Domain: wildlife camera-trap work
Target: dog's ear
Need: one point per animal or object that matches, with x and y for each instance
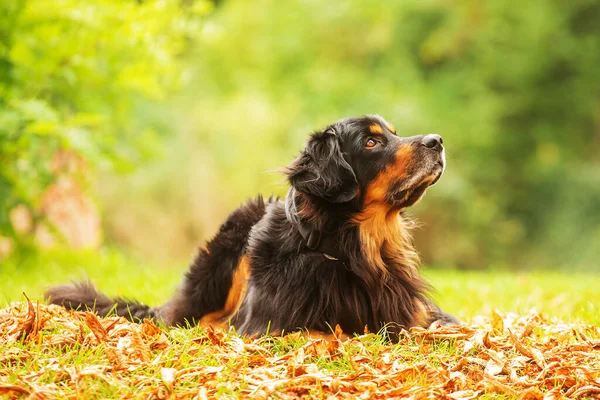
(322, 171)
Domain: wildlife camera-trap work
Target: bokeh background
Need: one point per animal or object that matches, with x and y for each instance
(129, 129)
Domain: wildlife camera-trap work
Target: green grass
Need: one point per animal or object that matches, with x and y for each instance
(569, 296)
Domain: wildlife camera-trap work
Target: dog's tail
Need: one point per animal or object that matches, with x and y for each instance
(83, 296)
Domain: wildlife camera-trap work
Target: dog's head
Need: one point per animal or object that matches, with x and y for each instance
(362, 161)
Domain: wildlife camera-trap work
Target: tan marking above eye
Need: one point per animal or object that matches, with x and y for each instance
(376, 128)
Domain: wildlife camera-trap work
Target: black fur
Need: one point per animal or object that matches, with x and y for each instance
(322, 171)
(353, 194)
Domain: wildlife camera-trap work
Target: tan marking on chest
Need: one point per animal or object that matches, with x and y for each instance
(383, 231)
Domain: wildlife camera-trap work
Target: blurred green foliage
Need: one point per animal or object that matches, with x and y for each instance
(73, 75)
(513, 89)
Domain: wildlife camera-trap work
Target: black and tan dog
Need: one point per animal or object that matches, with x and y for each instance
(336, 251)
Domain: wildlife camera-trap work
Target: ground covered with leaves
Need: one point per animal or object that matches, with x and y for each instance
(49, 352)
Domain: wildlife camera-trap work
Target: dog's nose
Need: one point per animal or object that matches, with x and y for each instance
(433, 141)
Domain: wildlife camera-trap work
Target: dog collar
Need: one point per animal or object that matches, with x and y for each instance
(315, 240)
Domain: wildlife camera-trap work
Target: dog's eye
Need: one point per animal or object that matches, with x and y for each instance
(370, 143)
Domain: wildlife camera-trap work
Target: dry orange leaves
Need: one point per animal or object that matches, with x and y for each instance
(526, 357)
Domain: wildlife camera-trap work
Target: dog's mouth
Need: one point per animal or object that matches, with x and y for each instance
(409, 196)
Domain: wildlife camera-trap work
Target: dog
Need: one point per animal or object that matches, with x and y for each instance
(336, 251)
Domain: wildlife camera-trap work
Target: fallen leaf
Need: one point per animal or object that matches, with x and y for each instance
(464, 394)
(91, 320)
(6, 389)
